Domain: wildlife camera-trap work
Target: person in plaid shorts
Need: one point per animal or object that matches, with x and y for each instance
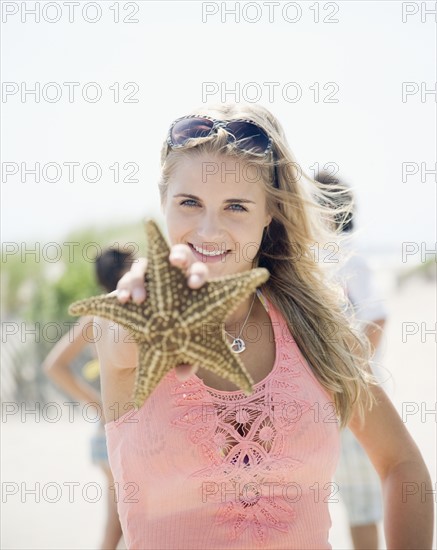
(358, 482)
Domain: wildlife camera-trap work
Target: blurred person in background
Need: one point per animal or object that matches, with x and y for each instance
(357, 479)
(109, 267)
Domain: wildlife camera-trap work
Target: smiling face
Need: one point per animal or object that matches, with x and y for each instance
(217, 205)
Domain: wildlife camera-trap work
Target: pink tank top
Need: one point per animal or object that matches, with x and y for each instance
(197, 468)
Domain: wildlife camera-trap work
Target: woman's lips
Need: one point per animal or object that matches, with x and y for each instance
(208, 259)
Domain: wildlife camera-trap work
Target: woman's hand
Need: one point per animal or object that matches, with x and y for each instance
(131, 285)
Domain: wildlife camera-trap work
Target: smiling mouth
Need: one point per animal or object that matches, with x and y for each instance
(208, 253)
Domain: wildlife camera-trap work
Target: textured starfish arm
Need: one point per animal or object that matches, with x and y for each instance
(164, 281)
(224, 295)
(132, 318)
(150, 370)
(221, 361)
(167, 287)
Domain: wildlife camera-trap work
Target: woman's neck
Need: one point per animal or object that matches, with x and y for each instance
(235, 321)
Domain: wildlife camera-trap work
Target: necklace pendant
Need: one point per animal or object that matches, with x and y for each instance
(238, 345)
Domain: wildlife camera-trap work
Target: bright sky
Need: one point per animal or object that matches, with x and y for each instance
(169, 55)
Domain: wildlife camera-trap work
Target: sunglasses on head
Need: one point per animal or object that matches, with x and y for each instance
(246, 134)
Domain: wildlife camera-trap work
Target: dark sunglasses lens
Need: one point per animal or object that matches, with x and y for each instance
(250, 137)
(188, 128)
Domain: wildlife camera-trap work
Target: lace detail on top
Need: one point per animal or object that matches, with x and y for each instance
(241, 440)
(224, 470)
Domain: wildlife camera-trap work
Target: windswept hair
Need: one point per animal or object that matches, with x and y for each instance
(294, 248)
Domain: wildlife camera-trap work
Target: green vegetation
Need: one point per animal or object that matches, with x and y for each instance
(39, 288)
(36, 292)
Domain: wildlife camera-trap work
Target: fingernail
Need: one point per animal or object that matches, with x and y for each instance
(137, 295)
(194, 279)
(176, 256)
(122, 294)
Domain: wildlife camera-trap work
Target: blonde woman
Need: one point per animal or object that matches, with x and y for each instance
(201, 465)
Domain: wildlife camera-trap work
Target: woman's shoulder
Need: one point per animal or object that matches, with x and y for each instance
(115, 345)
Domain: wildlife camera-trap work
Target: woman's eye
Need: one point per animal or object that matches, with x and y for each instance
(185, 202)
(239, 208)
(192, 203)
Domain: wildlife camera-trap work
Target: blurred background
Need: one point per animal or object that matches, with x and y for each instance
(353, 84)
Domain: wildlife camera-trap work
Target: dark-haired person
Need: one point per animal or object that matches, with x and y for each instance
(110, 265)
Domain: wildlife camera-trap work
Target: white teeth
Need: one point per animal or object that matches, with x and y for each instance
(208, 253)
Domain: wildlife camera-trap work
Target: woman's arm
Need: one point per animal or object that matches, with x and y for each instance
(115, 347)
(58, 361)
(408, 509)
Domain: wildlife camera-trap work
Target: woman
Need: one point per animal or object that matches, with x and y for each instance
(201, 465)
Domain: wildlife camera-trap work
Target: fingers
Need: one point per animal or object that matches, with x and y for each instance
(132, 283)
(197, 272)
(181, 256)
(197, 275)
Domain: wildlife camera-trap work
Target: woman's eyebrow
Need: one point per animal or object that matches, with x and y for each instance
(226, 201)
(239, 200)
(186, 195)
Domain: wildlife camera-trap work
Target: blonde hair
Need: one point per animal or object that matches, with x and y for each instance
(300, 286)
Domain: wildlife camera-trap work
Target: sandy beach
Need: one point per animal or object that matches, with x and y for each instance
(53, 496)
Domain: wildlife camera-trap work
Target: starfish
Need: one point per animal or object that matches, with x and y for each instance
(176, 324)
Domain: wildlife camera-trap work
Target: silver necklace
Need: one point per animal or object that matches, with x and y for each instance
(238, 345)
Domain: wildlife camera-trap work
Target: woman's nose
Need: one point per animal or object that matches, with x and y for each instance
(210, 229)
